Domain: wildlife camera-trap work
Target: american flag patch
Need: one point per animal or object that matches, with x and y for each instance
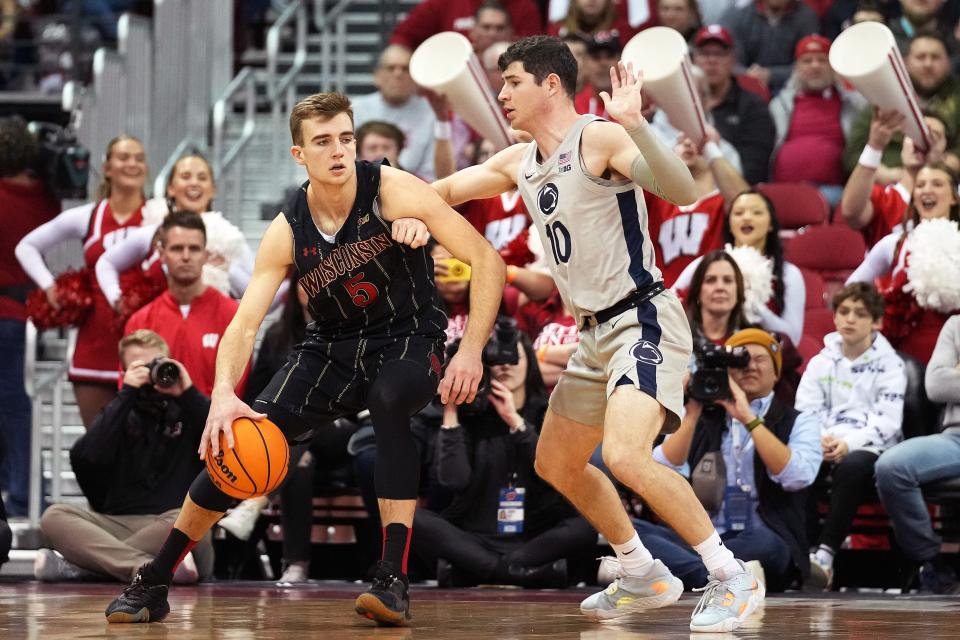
(565, 157)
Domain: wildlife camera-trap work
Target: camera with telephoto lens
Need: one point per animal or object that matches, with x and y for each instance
(710, 382)
(164, 372)
(63, 165)
(501, 348)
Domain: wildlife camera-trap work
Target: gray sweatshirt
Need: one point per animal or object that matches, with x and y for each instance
(943, 376)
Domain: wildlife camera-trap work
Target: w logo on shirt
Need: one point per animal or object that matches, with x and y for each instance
(210, 340)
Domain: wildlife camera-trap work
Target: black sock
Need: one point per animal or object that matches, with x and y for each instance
(396, 545)
(174, 550)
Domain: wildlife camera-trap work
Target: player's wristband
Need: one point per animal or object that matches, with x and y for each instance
(753, 424)
(512, 271)
(542, 353)
(442, 130)
(870, 158)
(711, 152)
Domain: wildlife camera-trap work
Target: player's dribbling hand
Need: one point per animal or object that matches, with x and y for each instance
(224, 409)
(626, 104)
(460, 382)
(410, 231)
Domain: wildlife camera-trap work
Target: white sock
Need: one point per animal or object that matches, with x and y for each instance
(718, 558)
(634, 558)
(825, 555)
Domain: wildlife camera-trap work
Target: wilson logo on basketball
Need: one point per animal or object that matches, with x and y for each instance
(224, 469)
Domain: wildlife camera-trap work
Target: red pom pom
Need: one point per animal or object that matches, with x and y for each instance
(138, 289)
(74, 295)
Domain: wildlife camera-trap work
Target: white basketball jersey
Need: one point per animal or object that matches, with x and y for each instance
(594, 231)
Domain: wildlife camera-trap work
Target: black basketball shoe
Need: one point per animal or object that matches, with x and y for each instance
(387, 602)
(140, 602)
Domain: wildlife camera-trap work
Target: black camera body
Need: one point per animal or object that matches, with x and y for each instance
(63, 165)
(710, 381)
(164, 372)
(501, 348)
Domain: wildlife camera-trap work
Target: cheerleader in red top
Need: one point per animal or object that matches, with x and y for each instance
(190, 187)
(99, 225)
(774, 290)
(918, 270)
(683, 233)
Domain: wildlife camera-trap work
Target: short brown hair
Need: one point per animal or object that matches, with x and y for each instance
(319, 105)
(380, 128)
(865, 293)
(185, 219)
(143, 338)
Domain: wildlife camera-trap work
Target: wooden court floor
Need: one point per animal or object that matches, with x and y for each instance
(251, 611)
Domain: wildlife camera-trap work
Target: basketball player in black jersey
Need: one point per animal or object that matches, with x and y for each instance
(377, 341)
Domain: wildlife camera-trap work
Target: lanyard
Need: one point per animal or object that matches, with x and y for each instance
(738, 453)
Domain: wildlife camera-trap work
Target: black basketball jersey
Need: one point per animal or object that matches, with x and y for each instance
(363, 283)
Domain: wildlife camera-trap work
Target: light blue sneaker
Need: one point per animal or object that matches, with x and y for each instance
(629, 594)
(727, 603)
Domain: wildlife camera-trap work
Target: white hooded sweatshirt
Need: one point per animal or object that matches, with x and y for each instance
(859, 401)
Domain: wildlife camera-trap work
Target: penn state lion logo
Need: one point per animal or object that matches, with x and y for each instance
(646, 351)
(547, 198)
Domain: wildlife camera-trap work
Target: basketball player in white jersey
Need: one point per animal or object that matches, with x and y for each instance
(581, 179)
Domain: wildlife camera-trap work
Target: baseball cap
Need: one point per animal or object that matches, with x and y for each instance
(713, 33)
(762, 338)
(604, 41)
(812, 44)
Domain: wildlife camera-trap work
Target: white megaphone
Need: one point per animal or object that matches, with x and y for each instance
(662, 54)
(446, 64)
(866, 56)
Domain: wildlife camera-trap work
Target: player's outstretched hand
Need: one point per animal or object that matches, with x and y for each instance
(460, 382)
(224, 409)
(626, 104)
(410, 231)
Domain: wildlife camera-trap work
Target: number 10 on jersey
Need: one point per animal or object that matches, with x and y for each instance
(560, 242)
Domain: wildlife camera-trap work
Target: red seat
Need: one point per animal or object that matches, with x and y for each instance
(807, 348)
(832, 251)
(815, 290)
(798, 204)
(818, 323)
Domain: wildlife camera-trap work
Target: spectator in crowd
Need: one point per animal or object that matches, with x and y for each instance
(938, 92)
(684, 233)
(903, 469)
(500, 219)
(24, 205)
(855, 387)
(396, 101)
(846, 13)
(603, 52)
(912, 323)
(923, 16)
(592, 17)
(134, 465)
(491, 24)
(752, 222)
(378, 140)
(715, 300)
(813, 115)
(765, 454)
(115, 214)
(765, 34)
(190, 187)
(189, 315)
(739, 115)
(485, 457)
(682, 16)
(578, 47)
(433, 16)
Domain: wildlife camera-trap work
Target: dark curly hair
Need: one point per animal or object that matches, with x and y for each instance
(18, 147)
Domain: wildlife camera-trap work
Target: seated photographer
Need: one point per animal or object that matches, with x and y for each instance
(903, 468)
(504, 525)
(752, 456)
(855, 386)
(134, 464)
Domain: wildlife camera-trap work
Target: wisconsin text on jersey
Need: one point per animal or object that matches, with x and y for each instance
(341, 260)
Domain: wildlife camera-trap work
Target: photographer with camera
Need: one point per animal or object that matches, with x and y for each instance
(504, 525)
(135, 465)
(190, 315)
(24, 205)
(752, 457)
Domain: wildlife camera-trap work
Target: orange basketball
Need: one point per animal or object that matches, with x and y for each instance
(256, 465)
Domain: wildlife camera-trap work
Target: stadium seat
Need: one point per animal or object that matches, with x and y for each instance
(832, 251)
(815, 289)
(798, 204)
(818, 323)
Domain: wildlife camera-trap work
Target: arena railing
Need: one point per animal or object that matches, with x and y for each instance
(281, 89)
(223, 159)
